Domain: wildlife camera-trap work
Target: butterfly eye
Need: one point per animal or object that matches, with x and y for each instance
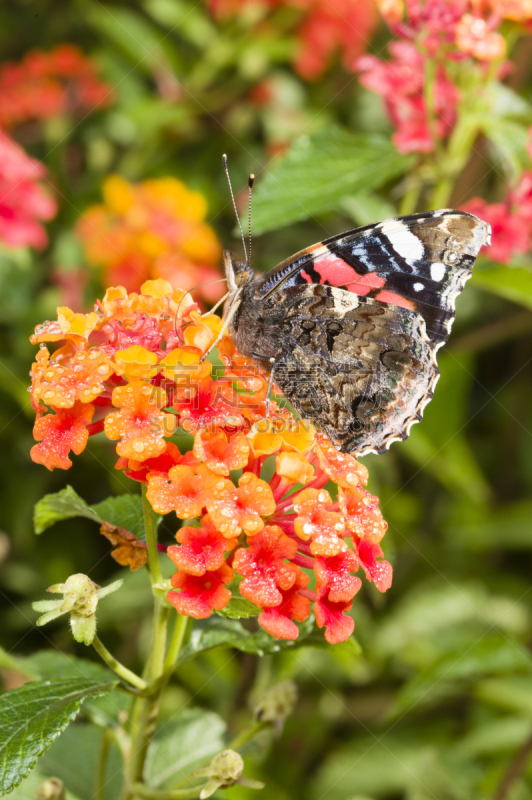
(242, 277)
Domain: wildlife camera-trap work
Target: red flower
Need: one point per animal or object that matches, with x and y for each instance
(510, 231)
(331, 616)
(334, 574)
(59, 433)
(202, 594)
(202, 549)
(344, 24)
(380, 572)
(23, 202)
(278, 621)
(264, 568)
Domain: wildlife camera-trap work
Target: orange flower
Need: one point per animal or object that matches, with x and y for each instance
(474, 37)
(314, 522)
(140, 354)
(362, 514)
(59, 433)
(154, 229)
(294, 468)
(81, 375)
(233, 510)
(139, 424)
(186, 491)
(219, 453)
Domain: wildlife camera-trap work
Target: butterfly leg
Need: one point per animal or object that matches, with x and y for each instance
(270, 386)
(227, 320)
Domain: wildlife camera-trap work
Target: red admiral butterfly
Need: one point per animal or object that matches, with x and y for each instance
(349, 327)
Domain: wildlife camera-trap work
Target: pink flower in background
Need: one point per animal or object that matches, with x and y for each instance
(23, 201)
(400, 83)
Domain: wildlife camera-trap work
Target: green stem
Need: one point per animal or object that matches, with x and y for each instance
(116, 666)
(180, 629)
(104, 752)
(410, 199)
(247, 734)
(145, 709)
(151, 539)
(176, 794)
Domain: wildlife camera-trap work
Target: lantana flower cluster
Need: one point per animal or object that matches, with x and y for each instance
(24, 201)
(511, 219)
(434, 35)
(323, 28)
(43, 85)
(154, 229)
(258, 519)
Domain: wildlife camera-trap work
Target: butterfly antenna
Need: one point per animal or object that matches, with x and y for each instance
(250, 189)
(224, 160)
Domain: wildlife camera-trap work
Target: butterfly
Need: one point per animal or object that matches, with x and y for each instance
(349, 328)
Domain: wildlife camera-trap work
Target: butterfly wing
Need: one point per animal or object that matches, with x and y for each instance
(360, 361)
(420, 262)
(361, 370)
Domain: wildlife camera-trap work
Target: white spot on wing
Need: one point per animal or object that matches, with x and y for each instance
(418, 287)
(406, 243)
(437, 271)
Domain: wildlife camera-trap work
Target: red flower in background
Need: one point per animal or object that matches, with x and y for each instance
(323, 28)
(345, 25)
(127, 364)
(44, 85)
(24, 203)
(511, 220)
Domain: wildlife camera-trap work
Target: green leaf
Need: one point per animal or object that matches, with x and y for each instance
(365, 208)
(124, 510)
(51, 664)
(182, 745)
(319, 171)
(512, 283)
(230, 633)
(61, 505)
(32, 717)
(239, 608)
(504, 102)
(513, 693)
(510, 139)
(75, 758)
(28, 788)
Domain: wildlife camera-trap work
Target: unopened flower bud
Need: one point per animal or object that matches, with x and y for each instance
(277, 704)
(80, 598)
(225, 770)
(50, 789)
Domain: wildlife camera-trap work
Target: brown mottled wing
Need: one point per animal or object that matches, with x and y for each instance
(359, 369)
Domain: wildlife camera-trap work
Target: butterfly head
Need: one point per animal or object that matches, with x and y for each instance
(237, 272)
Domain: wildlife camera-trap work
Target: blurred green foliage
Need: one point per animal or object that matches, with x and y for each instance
(438, 700)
